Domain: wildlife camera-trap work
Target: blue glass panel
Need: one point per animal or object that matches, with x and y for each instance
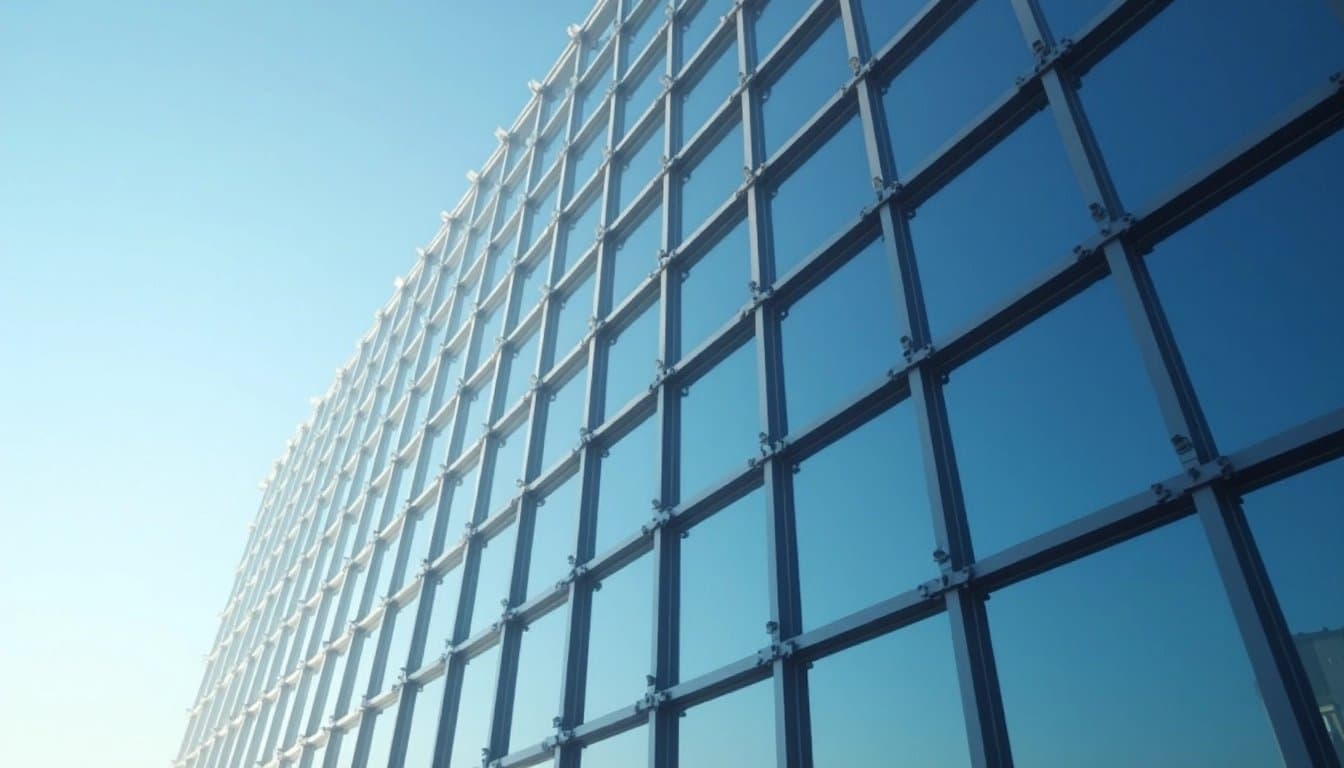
(1067, 18)
(581, 229)
(554, 533)
(774, 20)
(588, 100)
(640, 167)
(642, 30)
(712, 180)
(701, 23)
(421, 536)
(965, 70)
(493, 578)
(540, 214)
(1003, 226)
(536, 700)
(338, 665)
(629, 481)
(548, 149)
(563, 419)
(1129, 657)
(841, 338)
(1252, 292)
(442, 616)
(702, 98)
(508, 467)
(474, 413)
(640, 93)
(438, 451)
(631, 360)
(380, 744)
(368, 653)
(572, 320)
(521, 369)
(1026, 416)
(1189, 69)
(532, 277)
(862, 516)
(821, 197)
(884, 18)
(473, 713)
(588, 155)
(399, 645)
(714, 287)
(725, 591)
(719, 422)
(621, 639)
(509, 197)
(625, 750)
(463, 501)
(1299, 530)
(812, 78)
(736, 729)
(636, 254)
(424, 723)
(896, 695)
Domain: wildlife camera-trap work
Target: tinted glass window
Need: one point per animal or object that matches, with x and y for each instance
(719, 422)
(697, 27)
(572, 318)
(636, 254)
(638, 166)
(508, 467)
(711, 179)
(625, 750)
(631, 356)
(424, 723)
(564, 417)
(735, 729)
(629, 480)
(884, 18)
(493, 579)
(815, 76)
(621, 639)
(553, 537)
(473, 714)
(774, 20)
(714, 287)
(703, 97)
(537, 694)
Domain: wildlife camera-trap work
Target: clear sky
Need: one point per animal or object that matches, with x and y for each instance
(201, 206)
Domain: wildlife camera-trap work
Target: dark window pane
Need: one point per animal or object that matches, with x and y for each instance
(640, 93)
(714, 287)
(712, 180)
(1000, 225)
(621, 639)
(572, 320)
(1129, 657)
(629, 749)
(536, 699)
(521, 368)
(631, 357)
(719, 422)
(492, 584)
(701, 99)
(564, 417)
(820, 198)
(1189, 69)
(424, 723)
(473, 713)
(629, 480)
(841, 337)
(774, 20)
(815, 76)
(1055, 422)
(553, 537)
(639, 166)
(1299, 530)
(958, 77)
(884, 18)
(736, 729)
(725, 591)
(636, 254)
(1252, 292)
(864, 530)
(896, 695)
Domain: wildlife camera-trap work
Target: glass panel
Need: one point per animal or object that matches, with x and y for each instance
(639, 166)
(508, 468)
(719, 425)
(540, 217)
(642, 30)
(424, 724)
(641, 91)
(509, 197)
(1069, 17)
(588, 98)
(537, 694)
(841, 338)
(715, 287)
(1243, 317)
(820, 198)
(700, 25)
(553, 536)
(1299, 530)
(725, 591)
(364, 666)
(582, 231)
(1055, 422)
(335, 680)
(399, 646)
(636, 254)
(1024, 223)
(896, 695)
(1175, 687)
(588, 156)
(572, 318)
(548, 149)
(701, 99)
(521, 368)
(629, 480)
(532, 276)
(380, 744)
(621, 639)
(884, 18)
(563, 419)
(737, 729)
(1189, 70)
(714, 178)
(624, 750)
(493, 579)
(472, 733)
(631, 359)
(475, 409)
(774, 20)
(947, 86)
(442, 616)
(815, 76)
(862, 516)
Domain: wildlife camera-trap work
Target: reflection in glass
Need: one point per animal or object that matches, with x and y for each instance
(719, 423)
(537, 694)
(473, 714)
(629, 479)
(812, 78)
(424, 724)
(621, 639)
(572, 318)
(554, 533)
(629, 749)
(701, 99)
(631, 359)
(711, 180)
(639, 165)
(636, 254)
(884, 18)
(564, 417)
(493, 578)
(442, 616)
(773, 21)
(736, 729)
(714, 287)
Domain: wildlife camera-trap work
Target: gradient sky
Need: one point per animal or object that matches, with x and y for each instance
(201, 206)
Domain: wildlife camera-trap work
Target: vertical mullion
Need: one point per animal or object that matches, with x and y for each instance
(1282, 682)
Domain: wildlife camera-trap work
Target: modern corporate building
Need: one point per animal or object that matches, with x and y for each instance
(844, 382)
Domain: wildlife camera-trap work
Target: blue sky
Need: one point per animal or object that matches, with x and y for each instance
(201, 206)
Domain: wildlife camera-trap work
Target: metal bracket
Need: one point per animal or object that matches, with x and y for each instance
(561, 737)
(652, 700)
(662, 515)
(759, 296)
(775, 652)
(952, 579)
(664, 372)
(770, 447)
(1047, 58)
(576, 573)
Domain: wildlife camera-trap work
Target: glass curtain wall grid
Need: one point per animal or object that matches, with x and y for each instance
(776, 339)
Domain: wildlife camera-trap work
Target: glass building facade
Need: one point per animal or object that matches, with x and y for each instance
(843, 382)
